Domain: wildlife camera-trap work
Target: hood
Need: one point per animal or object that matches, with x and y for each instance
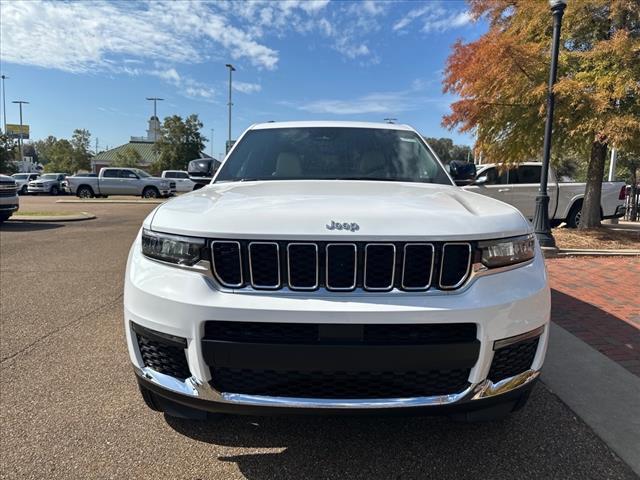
(303, 209)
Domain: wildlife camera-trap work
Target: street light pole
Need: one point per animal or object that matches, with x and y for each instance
(4, 105)
(541, 218)
(20, 102)
(231, 69)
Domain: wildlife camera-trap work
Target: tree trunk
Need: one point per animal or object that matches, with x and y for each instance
(590, 217)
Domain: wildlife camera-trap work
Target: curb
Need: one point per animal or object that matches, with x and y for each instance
(584, 252)
(76, 217)
(132, 202)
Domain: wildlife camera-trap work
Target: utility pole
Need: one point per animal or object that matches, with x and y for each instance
(390, 120)
(231, 69)
(96, 145)
(20, 102)
(4, 105)
(155, 101)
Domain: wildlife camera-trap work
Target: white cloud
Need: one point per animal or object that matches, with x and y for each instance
(379, 102)
(245, 87)
(87, 36)
(434, 18)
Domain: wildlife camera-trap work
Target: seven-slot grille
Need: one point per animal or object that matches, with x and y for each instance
(341, 266)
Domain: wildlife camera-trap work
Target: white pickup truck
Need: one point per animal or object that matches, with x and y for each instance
(121, 181)
(518, 186)
(332, 267)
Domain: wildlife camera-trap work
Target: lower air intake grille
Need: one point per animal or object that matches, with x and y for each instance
(163, 357)
(513, 359)
(328, 384)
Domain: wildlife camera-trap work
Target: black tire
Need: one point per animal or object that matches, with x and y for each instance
(555, 223)
(23, 190)
(54, 190)
(4, 217)
(573, 219)
(85, 192)
(150, 192)
(149, 399)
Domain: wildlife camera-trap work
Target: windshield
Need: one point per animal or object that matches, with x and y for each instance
(20, 176)
(141, 173)
(332, 153)
(49, 176)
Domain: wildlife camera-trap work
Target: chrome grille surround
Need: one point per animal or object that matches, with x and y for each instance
(404, 266)
(317, 273)
(306, 270)
(355, 267)
(254, 284)
(215, 270)
(393, 267)
(465, 276)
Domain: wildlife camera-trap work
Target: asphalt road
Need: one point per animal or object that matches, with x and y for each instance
(69, 405)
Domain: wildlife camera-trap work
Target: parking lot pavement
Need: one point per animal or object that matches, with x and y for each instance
(598, 300)
(69, 406)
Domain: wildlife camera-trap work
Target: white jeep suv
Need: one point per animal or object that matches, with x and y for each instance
(335, 266)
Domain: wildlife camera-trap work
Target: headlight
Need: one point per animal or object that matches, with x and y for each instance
(164, 184)
(500, 253)
(171, 248)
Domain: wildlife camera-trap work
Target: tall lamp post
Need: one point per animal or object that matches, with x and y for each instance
(4, 105)
(20, 102)
(155, 101)
(231, 69)
(541, 219)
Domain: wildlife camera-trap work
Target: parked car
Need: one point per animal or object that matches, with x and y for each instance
(518, 186)
(202, 171)
(9, 201)
(23, 179)
(335, 266)
(50, 183)
(65, 183)
(183, 182)
(121, 181)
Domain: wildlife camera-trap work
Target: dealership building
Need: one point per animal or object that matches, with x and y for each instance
(142, 145)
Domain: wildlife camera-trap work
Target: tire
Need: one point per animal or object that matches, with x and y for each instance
(23, 190)
(150, 192)
(149, 399)
(54, 190)
(4, 217)
(555, 223)
(573, 219)
(85, 192)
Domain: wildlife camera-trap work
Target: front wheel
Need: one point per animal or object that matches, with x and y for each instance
(150, 192)
(54, 190)
(23, 190)
(4, 217)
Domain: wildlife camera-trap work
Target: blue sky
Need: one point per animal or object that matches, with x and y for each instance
(91, 64)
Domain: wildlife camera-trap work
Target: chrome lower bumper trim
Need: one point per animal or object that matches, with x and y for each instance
(194, 388)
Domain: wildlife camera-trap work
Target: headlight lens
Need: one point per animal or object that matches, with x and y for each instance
(171, 248)
(501, 253)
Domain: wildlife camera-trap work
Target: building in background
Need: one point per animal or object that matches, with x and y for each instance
(142, 145)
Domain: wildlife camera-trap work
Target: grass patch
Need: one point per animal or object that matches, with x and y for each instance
(602, 238)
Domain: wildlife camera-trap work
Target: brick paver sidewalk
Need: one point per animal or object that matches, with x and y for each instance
(598, 300)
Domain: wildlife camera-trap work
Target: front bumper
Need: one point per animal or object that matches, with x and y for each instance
(179, 303)
(39, 189)
(9, 204)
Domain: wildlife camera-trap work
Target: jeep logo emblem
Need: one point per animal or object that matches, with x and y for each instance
(351, 227)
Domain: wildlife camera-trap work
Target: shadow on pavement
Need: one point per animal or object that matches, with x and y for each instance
(543, 440)
(20, 226)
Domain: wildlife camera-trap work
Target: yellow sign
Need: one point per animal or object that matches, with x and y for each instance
(14, 131)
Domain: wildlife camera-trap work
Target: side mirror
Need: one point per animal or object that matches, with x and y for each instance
(463, 173)
(480, 180)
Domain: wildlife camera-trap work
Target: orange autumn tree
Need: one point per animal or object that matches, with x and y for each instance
(501, 80)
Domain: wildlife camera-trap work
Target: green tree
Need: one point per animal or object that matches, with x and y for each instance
(180, 141)
(44, 148)
(8, 153)
(447, 150)
(81, 141)
(61, 157)
(130, 157)
(501, 81)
